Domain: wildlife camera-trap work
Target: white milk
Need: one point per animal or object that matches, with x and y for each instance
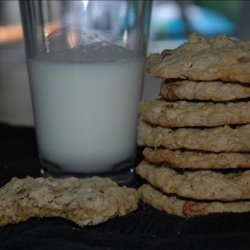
(86, 113)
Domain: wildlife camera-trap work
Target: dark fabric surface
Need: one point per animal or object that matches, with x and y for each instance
(146, 228)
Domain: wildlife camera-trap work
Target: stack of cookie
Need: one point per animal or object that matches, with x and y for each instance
(197, 135)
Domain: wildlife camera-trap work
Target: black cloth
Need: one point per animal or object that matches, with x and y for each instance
(146, 228)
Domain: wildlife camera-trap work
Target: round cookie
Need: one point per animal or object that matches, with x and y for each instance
(196, 159)
(84, 201)
(200, 184)
(216, 91)
(204, 59)
(219, 139)
(188, 208)
(194, 114)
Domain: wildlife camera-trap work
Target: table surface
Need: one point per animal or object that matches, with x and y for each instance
(146, 228)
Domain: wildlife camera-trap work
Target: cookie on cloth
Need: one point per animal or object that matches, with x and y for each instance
(219, 139)
(83, 201)
(203, 59)
(184, 159)
(199, 184)
(188, 208)
(216, 91)
(194, 114)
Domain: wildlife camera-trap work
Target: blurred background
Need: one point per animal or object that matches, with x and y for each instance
(171, 22)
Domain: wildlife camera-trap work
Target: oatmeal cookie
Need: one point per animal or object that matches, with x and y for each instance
(201, 58)
(83, 201)
(219, 139)
(194, 114)
(188, 208)
(184, 159)
(200, 184)
(216, 91)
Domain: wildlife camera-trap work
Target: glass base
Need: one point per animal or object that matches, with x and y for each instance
(122, 173)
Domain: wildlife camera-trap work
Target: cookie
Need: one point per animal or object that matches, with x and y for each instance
(83, 201)
(194, 114)
(158, 200)
(216, 91)
(220, 139)
(196, 159)
(200, 184)
(188, 208)
(204, 59)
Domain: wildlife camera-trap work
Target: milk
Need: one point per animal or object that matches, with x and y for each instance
(85, 107)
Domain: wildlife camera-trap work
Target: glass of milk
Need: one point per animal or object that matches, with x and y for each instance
(86, 67)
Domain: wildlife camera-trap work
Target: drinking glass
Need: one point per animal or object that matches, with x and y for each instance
(86, 65)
